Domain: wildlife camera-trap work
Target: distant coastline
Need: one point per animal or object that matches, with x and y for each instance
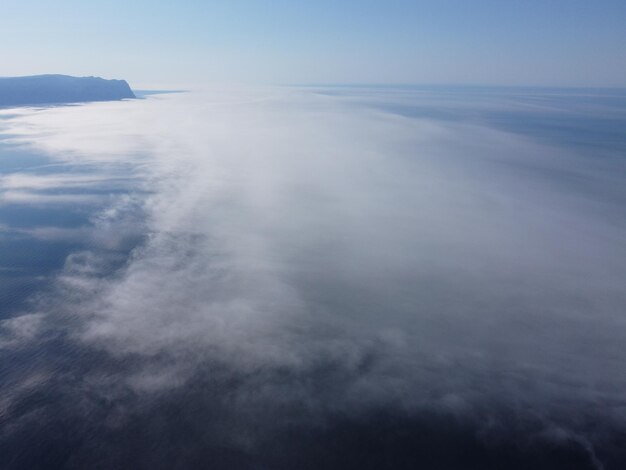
(59, 89)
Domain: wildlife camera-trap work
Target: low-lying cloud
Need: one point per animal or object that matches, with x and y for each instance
(299, 257)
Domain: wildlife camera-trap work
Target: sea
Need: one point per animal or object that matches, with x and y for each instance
(315, 277)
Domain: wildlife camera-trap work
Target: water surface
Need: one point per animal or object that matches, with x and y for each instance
(322, 277)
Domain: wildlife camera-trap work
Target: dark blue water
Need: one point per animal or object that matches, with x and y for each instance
(30, 257)
(25, 262)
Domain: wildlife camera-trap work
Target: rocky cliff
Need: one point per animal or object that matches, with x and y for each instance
(48, 89)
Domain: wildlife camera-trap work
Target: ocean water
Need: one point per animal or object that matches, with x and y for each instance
(315, 277)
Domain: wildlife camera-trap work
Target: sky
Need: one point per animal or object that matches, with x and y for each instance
(531, 42)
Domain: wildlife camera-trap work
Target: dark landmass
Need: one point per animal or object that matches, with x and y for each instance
(51, 89)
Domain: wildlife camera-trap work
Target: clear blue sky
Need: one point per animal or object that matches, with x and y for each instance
(151, 42)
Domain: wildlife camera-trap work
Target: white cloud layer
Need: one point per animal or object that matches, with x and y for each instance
(439, 263)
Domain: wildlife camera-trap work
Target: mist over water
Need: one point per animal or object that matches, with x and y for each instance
(315, 278)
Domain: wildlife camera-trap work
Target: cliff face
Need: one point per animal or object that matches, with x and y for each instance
(47, 89)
